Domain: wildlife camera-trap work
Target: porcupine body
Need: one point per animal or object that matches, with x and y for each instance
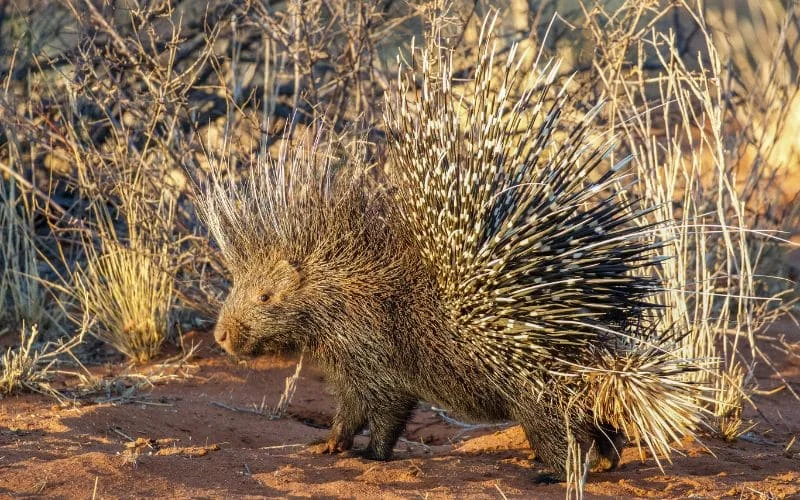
(496, 280)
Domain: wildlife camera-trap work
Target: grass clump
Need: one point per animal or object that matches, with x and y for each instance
(28, 368)
(129, 294)
(126, 288)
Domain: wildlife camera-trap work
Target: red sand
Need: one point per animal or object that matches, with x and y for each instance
(189, 446)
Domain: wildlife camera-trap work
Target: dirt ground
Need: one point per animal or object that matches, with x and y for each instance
(182, 439)
(200, 436)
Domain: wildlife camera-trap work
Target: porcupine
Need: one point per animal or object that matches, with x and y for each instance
(493, 278)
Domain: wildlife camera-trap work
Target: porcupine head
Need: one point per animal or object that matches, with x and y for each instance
(290, 234)
(261, 312)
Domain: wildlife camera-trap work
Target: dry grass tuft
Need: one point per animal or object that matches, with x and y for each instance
(127, 290)
(722, 289)
(728, 403)
(27, 367)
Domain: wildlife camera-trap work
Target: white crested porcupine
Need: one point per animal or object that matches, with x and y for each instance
(494, 279)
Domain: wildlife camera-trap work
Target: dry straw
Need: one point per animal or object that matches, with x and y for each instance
(31, 366)
(126, 288)
(22, 295)
(674, 123)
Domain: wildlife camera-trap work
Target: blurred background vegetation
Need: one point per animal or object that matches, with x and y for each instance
(106, 106)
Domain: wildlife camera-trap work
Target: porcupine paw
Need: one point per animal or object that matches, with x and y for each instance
(334, 444)
(385, 428)
(377, 451)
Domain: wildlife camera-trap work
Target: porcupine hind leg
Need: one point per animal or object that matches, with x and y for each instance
(350, 418)
(387, 418)
(608, 443)
(547, 435)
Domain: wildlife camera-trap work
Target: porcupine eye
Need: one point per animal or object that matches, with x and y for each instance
(264, 297)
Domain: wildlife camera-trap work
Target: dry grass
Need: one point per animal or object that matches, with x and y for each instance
(23, 297)
(128, 293)
(127, 386)
(674, 120)
(290, 385)
(30, 367)
(577, 466)
(729, 403)
(277, 411)
(126, 287)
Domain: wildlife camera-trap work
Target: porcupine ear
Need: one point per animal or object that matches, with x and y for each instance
(538, 256)
(295, 263)
(294, 268)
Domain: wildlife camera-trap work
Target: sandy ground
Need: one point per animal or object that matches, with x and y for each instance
(181, 439)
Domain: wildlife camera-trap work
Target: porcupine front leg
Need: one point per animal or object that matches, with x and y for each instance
(350, 418)
(387, 418)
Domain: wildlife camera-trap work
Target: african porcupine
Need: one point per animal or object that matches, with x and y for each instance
(494, 280)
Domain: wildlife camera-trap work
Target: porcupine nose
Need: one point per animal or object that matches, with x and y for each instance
(221, 335)
(224, 332)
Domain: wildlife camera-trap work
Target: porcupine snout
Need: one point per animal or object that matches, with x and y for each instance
(233, 331)
(224, 331)
(222, 336)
